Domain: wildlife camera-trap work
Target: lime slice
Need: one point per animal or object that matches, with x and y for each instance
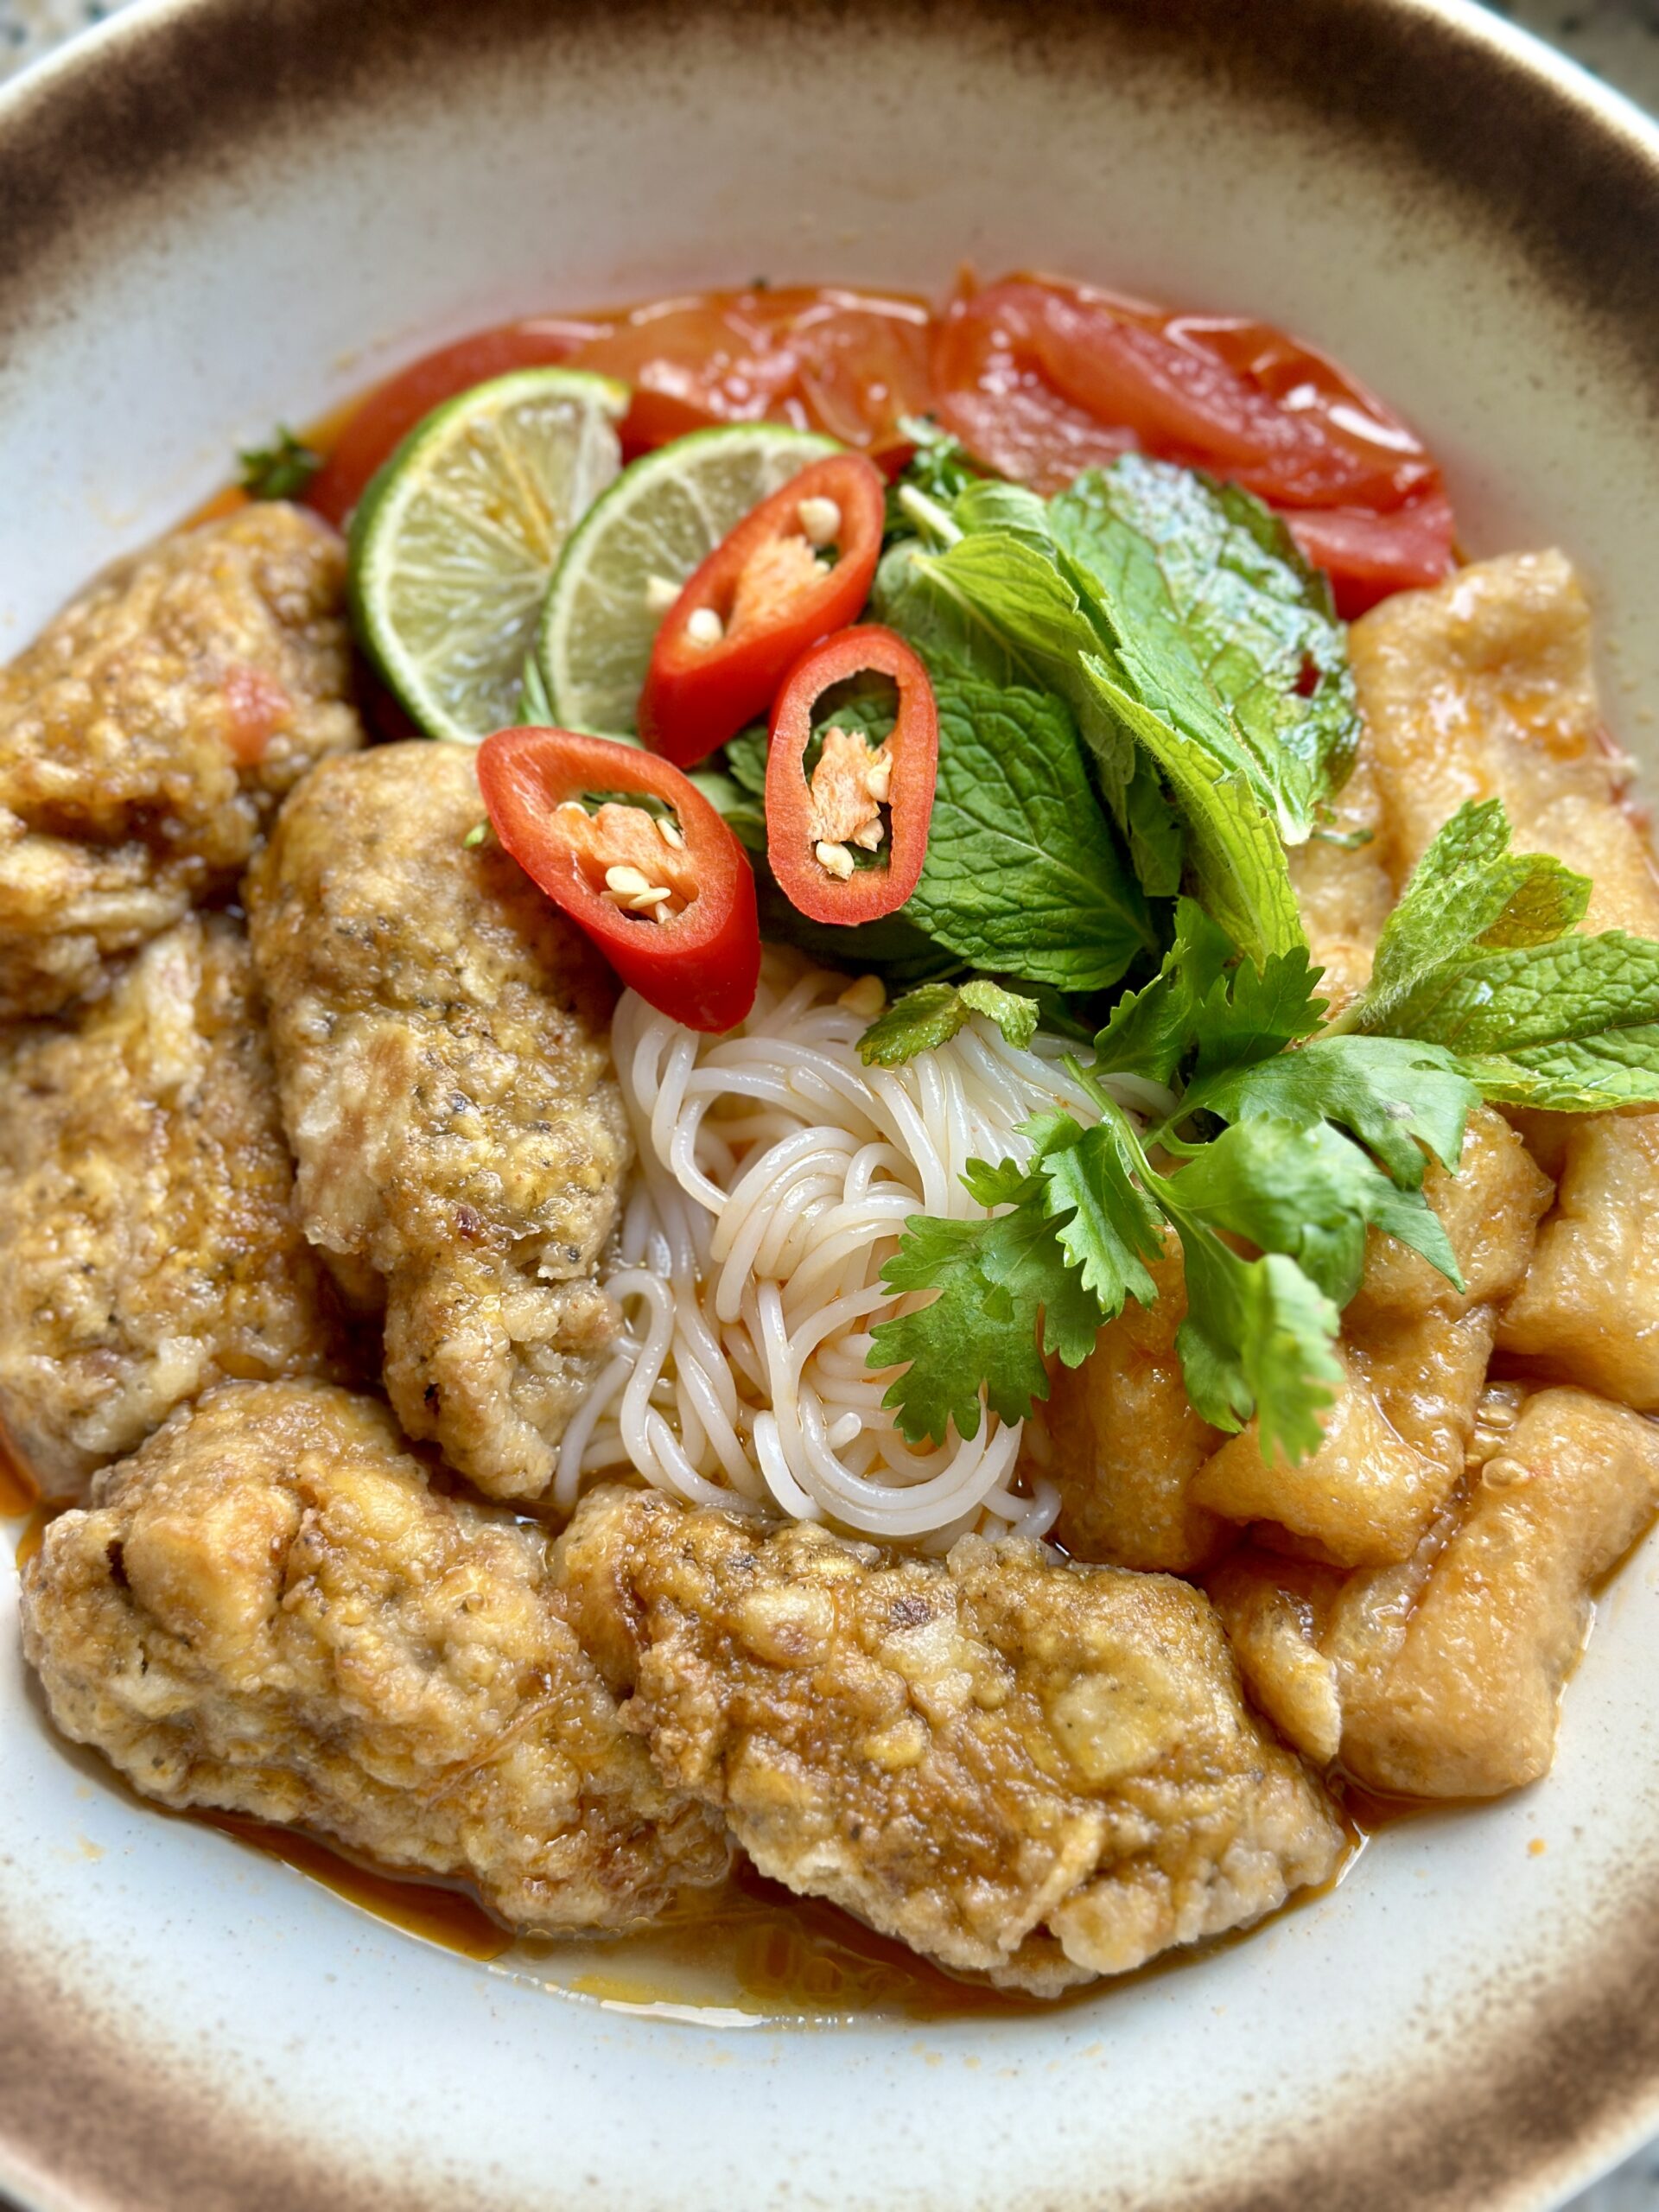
(454, 541)
(661, 519)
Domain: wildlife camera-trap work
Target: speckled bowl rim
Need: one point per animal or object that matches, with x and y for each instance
(167, 94)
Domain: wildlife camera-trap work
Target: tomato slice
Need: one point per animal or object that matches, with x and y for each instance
(759, 599)
(380, 423)
(858, 799)
(1040, 378)
(666, 892)
(848, 362)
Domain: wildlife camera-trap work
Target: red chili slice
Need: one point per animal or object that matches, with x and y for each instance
(759, 599)
(564, 805)
(859, 799)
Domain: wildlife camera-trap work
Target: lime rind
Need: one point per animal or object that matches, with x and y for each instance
(658, 522)
(454, 542)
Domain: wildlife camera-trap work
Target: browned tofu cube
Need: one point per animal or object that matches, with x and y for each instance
(1125, 1442)
(1440, 1676)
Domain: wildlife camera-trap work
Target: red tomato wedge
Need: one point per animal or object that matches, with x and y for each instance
(1040, 378)
(848, 362)
(378, 424)
(761, 597)
(859, 800)
(666, 892)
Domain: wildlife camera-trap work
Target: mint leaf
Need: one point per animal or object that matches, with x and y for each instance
(1022, 874)
(1469, 891)
(1588, 1075)
(1259, 617)
(926, 1019)
(1258, 1340)
(1577, 986)
(1396, 1096)
(1481, 954)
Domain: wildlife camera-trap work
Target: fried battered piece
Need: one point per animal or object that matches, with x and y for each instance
(267, 1611)
(1341, 883)
(148, 734)
(1414, 1352)
(1125, 1442)
(1484, 687)
(442, 1042)
(1038, 1771)
(1440, 1677)
(1589, 1306)
(147, 1218)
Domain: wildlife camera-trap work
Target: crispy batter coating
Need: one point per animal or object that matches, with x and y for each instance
(148, 734)
(1484, 687)
(267, 1610)
(1441, 1676)
(1125, 1443)
(441, 1036)
(1414, 1352)
(1039, 1771)
(1341, 883)
(152, 1246)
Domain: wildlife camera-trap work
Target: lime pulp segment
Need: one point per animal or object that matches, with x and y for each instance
(456, 539)
(638, 544)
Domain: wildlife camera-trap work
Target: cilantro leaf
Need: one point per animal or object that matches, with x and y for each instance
(1150, 1032)
(1309, 1192)
(281, 470)
(1395, 1095)
(1107, 1225)
(931, 1016)
(1195, 1006)
(1022, 874)
(1258, 1340)
(1006, 1295)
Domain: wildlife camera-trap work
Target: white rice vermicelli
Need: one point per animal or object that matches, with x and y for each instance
(775, 1174)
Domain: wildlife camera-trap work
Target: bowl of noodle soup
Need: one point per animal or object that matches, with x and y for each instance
(222, 217)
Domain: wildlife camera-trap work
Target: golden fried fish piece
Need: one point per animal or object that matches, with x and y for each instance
(268, 1610)
(149, 733)
(443, 1044)
(151, 1242)
(1038, 1771)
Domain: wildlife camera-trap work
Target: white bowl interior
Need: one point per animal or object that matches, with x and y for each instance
(343, 243)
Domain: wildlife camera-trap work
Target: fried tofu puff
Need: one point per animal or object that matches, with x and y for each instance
(269, 1610)
(1038, 1771)
(151, 1243)
(443, 1044)
(149, 733)
(1144, 1482)
(1485, 686)
(1589, 1306)
(1441, 1676)
(1344, 890)
(1124, 1443)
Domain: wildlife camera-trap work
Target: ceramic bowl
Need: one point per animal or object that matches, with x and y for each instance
(221, 212)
